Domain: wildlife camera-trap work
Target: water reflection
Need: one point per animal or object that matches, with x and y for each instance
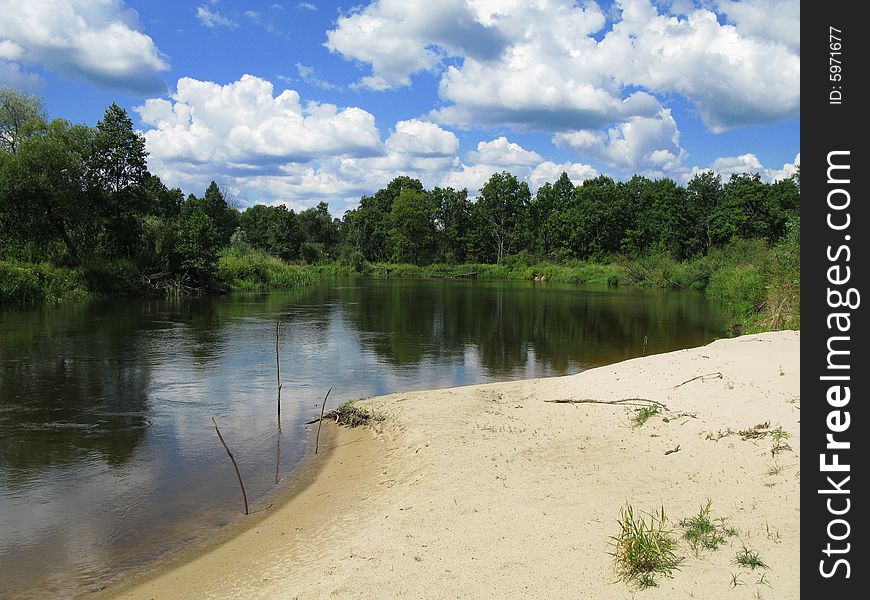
(107, 454)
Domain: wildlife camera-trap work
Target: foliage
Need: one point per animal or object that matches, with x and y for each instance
(644, 548)
(28, 283)
(254, 269)
(703, 533)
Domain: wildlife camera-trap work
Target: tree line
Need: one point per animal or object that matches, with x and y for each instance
(83, 197)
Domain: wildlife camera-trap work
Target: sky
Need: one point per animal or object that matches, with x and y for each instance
(301, 102)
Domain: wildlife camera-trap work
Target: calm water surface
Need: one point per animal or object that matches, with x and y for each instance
(108, 458)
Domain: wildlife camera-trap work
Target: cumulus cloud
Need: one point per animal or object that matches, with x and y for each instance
(733, 79)
(776, 20)
(95, 40)
(402, 37)
(650, 145)
(243, 128)
(421, 138)
(749, 163)
(502, 153)
(552, 64)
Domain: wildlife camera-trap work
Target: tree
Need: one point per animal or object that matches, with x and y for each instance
(412, 228)
(225, 218)
(550, 200)
(500, 209)
(319, 230)
(452, 222)
(117, 173)
(704, 195)
(17, 110)
(367, 227)
(42, 189)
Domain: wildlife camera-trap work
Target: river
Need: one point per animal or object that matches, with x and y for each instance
(108, 456)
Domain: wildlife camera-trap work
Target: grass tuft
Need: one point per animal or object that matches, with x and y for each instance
(703, 533)
(644, 548)
(749, 558)
(643, 414)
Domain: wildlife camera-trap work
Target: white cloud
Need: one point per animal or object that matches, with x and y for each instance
(777, 20)
(421, 138)
(539, 66)
(502, 153)
(96, 40)
(549, 172)
(243, 129)
(747, 163)
(732, 79)
(402, 37)
(301, 6)
(639, 144)
(213, 19)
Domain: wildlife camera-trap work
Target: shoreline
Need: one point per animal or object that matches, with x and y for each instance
(491, 491)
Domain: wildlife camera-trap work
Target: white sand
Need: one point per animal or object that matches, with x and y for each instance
(491, 492)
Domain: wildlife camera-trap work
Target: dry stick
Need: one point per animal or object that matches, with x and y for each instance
(320, 422)
(717, 374)
(624, 402)
(278, 365)
(644, 346)
(278, 455)
(239, 475)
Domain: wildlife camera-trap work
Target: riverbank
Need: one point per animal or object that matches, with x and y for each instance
(492, 491)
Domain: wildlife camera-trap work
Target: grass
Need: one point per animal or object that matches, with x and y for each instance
(643, 414)
(703, 533)
(254, 270)
(644, 548)
(40, 283)
(749, 558)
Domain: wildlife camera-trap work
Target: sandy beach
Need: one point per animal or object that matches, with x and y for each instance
(494, 491)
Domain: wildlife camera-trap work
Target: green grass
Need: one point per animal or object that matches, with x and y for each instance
(644, 548)
(749, 558)
(643, 414)
(704, 533)
(41, 283)
(255, 270)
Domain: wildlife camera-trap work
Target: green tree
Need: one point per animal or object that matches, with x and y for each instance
(197, 244)
(367, 227)
(18, 113)
(42, 193)
(319, 230)
(412, 228)
(551, 200)
(117, 172)
(452, 223)
(704, 195)
(500, 211)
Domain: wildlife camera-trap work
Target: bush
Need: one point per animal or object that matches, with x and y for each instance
(120, 277)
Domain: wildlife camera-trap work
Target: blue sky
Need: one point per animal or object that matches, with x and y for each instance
(298, 102)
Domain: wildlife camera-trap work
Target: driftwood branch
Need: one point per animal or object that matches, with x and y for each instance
(278, 367)
(622, 402)
(716, 375)
(235, 466)
(320, 421)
